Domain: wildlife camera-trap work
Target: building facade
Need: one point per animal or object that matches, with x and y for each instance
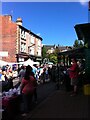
(18, 42)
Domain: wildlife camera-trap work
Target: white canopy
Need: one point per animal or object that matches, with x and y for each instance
(50, 63)
(27, 62)
(36, 63)
(3, 63)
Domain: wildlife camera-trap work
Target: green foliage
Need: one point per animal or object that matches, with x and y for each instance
(81, 44)
(56, 51)
(86, 45)
(53, 58)
(44, 52)
(78, 44)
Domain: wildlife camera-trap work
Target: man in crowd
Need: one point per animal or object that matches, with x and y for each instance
(73, 73)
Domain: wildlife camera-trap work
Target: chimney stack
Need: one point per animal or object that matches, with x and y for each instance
(19, 21)
(9, 17)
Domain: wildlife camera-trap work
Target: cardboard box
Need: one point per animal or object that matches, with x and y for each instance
(87, 89)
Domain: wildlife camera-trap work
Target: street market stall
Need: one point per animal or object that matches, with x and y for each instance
(10, 102)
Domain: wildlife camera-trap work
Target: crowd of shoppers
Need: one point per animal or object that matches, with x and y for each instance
(44, 73)
(30, 78)
(6, 77)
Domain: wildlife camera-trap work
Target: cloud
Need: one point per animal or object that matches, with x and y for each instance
(83, 2)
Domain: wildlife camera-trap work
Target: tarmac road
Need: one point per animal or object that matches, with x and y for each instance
(43, 91)
(59, 104)
(54, 103)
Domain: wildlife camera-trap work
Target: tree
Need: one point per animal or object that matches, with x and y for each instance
(44, 52)
(81, 44)
(56, 51)
(76, 43)
(53, 58)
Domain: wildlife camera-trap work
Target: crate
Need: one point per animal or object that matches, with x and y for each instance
(86, 89)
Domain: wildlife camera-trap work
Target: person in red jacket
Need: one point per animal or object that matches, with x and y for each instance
(73, 74)
(27, 86)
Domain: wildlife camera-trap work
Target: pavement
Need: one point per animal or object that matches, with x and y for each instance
(54, 103)
(61, 105)
(43, 91)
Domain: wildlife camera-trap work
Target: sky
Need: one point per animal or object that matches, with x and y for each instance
(53, 21)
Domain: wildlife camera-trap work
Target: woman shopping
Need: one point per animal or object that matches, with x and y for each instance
(27, 88)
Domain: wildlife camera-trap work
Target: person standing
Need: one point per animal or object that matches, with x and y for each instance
(0, 74)
(73, 73)
(27, 88)
(21, 74)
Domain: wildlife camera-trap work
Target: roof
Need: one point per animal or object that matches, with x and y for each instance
(76, 52)
(61, 48)
(83, 31)
(30, 32)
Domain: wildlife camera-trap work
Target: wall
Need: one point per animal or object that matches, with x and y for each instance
(9, 30)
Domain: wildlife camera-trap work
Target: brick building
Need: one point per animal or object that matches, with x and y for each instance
(18, 42)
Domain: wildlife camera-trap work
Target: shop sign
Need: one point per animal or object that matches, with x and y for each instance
(3, 53)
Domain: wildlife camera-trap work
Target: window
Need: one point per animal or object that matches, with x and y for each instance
(23, 47)
(39, 42)
(32, 39)
(23, 34)
(32, 51)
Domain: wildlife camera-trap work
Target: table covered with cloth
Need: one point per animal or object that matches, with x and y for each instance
(11, 106)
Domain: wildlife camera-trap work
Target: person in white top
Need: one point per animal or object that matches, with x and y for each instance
(3, 78)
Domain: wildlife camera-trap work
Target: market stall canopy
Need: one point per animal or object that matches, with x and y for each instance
(3, 63)
(36, 63)
(77, 52)
(50, 63)
(83, 31)
(28, 62)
